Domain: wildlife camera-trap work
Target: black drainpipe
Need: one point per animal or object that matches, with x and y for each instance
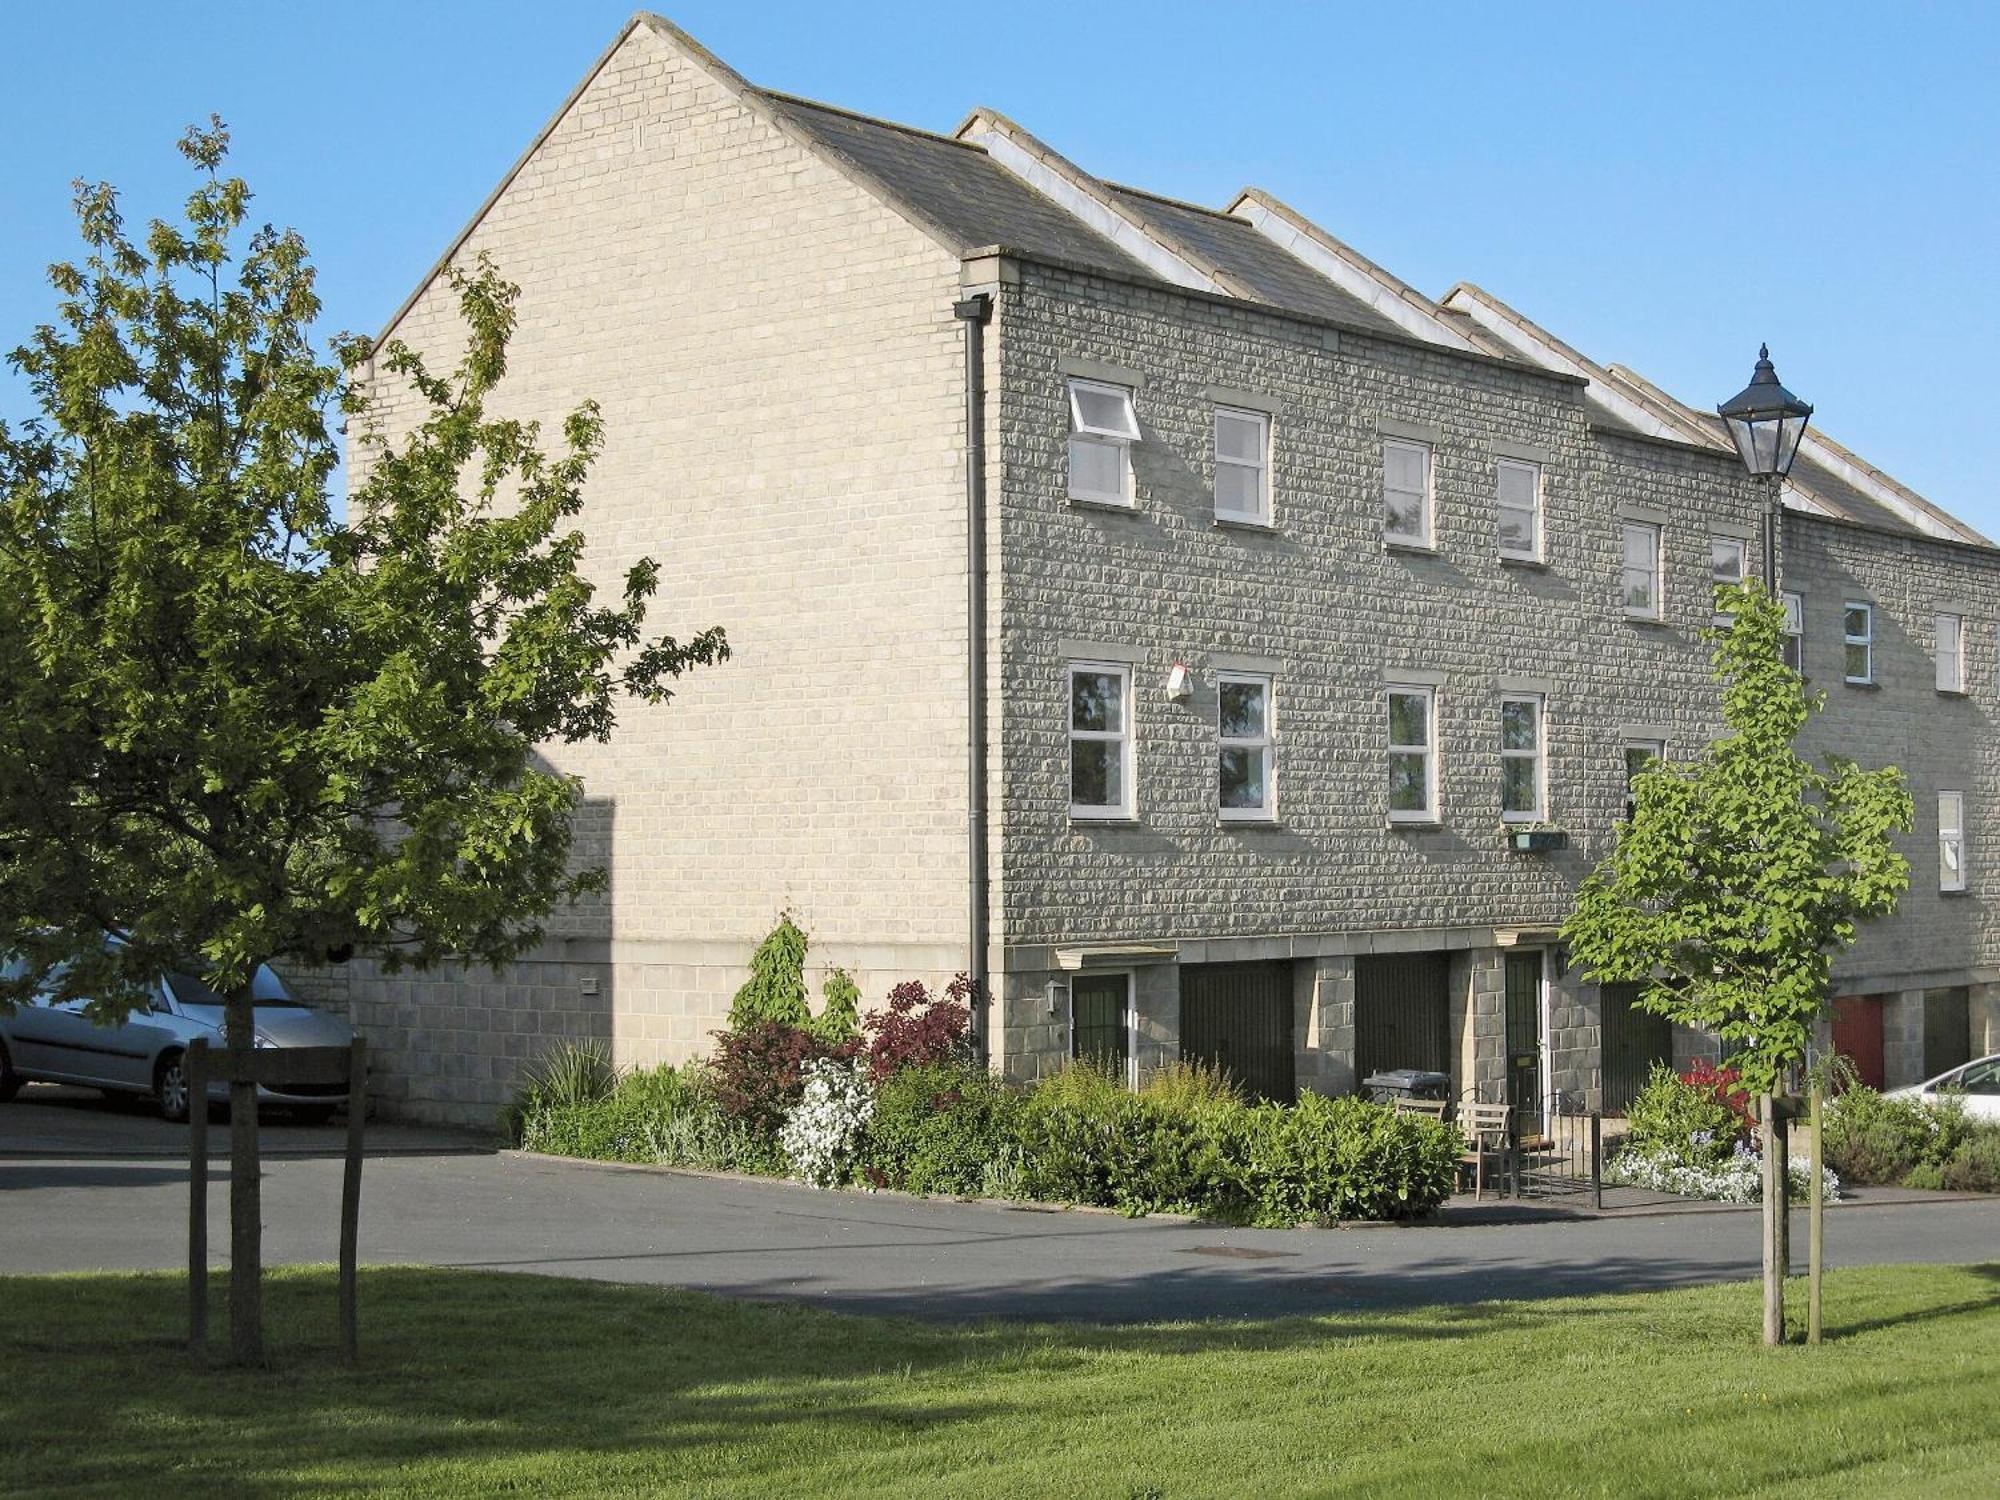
(972, 312)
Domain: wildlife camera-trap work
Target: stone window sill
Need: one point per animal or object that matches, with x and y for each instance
(1414, 825)
(1236, 523)
(1530, 564)
(1409, 549)
(1864, 687)
(1084, 820)
(1115, 507)
(1656, 622)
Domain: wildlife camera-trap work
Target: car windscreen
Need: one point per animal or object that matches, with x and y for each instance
(192, 991)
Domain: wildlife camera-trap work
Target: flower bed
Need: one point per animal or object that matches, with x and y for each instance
(1871, 1137)
(1690, 1136)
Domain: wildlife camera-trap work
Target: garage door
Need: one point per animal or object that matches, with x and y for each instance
(1633, 1042)
(1402, 1013)
(1947, 1030)
(1238, 1018)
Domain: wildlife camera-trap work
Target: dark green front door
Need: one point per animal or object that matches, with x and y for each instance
(1101, 1021)
(1524, 1038)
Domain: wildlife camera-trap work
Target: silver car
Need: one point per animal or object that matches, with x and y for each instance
(146, 1053)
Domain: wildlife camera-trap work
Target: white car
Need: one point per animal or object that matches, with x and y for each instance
(1977, 1083)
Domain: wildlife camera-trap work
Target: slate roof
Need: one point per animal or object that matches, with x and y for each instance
(1234, 247)
(956, 186)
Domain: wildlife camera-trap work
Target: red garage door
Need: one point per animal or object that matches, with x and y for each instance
(1857, 1035)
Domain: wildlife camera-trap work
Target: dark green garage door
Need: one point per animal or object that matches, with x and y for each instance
(1238, 1018)
(1633, 1040)
(1402, 1013)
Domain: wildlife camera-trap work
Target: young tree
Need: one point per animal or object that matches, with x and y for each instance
(240, 728)
(1742, 873)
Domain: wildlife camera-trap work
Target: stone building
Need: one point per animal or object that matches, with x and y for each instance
(1301, 601)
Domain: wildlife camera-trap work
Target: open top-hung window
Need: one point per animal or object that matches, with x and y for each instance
(1951, 841)
(1242, 466)
(1406, 492)
(1243, 732)
(1795, 632)
(1100, 740)
(1520, 495)
(1103, 426)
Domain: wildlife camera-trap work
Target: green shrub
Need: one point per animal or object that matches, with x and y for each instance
(1323, 1160)
(1871, 1137)
(839, 1018)
(572, 1073)
(1190, 1085)
(664, 1117)
(1692, 1122)
(776, 988)
(938, 1129)
(1974, 1165)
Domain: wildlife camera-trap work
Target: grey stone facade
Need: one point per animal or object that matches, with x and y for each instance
(759, 292)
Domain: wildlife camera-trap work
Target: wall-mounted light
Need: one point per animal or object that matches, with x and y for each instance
(1058, 992)
(1180, 681)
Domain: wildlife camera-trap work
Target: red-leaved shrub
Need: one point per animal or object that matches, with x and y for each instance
(1723, 1083)
(918, 1030)
(759, 1070)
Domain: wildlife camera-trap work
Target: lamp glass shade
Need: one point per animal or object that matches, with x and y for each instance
(1765, 421)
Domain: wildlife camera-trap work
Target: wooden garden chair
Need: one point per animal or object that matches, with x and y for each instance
(1488, 1130)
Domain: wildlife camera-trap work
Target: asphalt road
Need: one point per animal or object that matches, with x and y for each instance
(888, 1254)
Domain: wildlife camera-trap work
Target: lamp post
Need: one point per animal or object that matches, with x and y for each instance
(1767, 423)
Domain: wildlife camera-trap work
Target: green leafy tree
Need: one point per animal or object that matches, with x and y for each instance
(240, 728)
(1740, 874)
(776, 988)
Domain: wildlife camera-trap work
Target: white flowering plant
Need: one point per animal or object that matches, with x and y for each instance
(823, 1131)
(1737, 1179)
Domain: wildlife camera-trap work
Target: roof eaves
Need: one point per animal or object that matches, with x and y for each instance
(1056, 262)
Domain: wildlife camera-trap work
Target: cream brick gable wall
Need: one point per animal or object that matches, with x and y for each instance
(780, 376)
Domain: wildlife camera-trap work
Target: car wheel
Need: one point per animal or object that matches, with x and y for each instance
(170, 1086)
(10, 1081)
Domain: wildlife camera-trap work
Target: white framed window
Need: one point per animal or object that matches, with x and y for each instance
(1100, 740)
(1412, 746)
(1794, 649)
(1639, 756)
(1103, 426)
(1518, 489)
(1242, 465)
(1728, 564)
(1859, 637)
(1521, 780)
(1951, 841)
(1641, 588)
(1406, 492)
(1951, 653)
(1246, 788)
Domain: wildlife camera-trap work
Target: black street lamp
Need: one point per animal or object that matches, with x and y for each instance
(1767, 423)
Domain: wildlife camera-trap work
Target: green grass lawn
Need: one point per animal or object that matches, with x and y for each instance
(483, 1384)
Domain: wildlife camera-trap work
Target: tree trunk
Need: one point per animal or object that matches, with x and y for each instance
(246, 1226)
(1771, 1146)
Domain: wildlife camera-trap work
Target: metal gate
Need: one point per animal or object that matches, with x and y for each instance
(1402, 1013)
(1631, 1041)
(1238, 1018)
(1524, 1038)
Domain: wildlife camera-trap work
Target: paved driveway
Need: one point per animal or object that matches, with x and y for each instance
(889, 1254)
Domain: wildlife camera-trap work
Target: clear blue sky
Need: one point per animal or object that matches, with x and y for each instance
(1661, 185)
